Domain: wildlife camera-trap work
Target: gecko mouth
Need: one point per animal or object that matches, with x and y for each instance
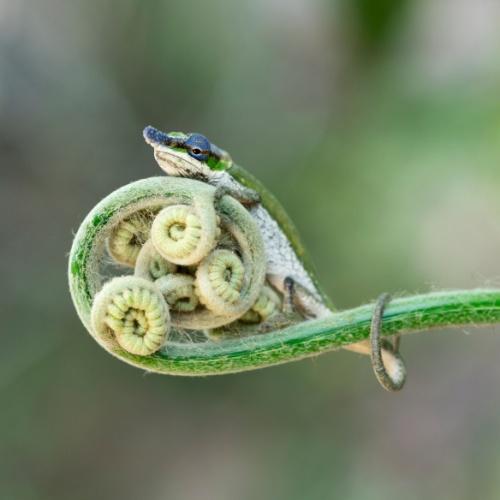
(179, 164)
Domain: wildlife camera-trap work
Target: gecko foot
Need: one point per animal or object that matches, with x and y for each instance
(245, 196)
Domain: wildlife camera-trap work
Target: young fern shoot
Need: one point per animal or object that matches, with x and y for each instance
(210, 277)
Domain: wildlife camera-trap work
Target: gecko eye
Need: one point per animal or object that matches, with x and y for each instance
(198, 146)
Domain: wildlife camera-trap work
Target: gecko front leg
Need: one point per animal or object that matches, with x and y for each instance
(227, 185)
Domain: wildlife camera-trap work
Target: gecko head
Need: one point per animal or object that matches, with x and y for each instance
(186, 155)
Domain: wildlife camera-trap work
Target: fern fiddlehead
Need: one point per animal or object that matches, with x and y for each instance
(133, 316)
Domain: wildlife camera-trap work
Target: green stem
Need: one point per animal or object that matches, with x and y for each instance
(402, 315)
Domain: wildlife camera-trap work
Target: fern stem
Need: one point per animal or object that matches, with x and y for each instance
(402, 315)
(308, 338)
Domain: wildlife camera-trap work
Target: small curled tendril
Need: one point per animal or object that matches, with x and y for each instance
(219, 280)
(178, 235)
(133, 311)
(266, 305)
(151, 265)
(179, 292)
(125, 242)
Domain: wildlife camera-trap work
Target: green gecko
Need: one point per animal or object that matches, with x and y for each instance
(288, 267)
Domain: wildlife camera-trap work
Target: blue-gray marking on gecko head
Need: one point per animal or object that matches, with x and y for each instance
(155, 135)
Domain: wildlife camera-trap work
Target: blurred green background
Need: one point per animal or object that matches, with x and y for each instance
(377, 123)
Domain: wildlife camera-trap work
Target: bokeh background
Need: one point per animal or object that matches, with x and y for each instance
(377, 123)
